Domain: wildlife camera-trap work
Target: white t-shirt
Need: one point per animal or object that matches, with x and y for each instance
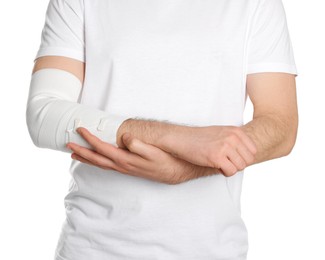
(184, 61)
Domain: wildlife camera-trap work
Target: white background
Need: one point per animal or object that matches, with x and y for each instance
(283, 200)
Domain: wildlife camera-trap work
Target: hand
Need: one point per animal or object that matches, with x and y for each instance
(226, 148)
(141, 159)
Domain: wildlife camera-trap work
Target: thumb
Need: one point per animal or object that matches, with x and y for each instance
(126, 138)
(135, 145)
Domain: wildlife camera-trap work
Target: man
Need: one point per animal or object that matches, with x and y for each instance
(167, 83)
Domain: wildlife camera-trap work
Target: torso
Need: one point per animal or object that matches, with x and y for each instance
(183, 61)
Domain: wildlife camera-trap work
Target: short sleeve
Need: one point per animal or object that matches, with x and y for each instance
(269, 44)
(63, 31)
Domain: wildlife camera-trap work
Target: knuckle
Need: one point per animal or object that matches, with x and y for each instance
(127, 166)
(214, 160)
(233, 138)
(122, 162)
(226, 144)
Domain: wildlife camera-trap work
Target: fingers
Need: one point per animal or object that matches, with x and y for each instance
(234, 161)
(91, 156)
(99, 146)
(80, 158)
(109, 155)
(237, 160)
(246, 154)
(247, 141)
(242, 151)
(228, 168)
(236, 157)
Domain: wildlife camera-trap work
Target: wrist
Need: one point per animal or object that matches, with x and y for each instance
(171, 138)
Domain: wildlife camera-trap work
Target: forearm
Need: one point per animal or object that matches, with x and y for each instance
(53, 112)
(273, 135)
(158, 133)
(164, 136)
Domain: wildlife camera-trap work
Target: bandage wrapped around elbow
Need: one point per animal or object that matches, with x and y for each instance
(53, 113)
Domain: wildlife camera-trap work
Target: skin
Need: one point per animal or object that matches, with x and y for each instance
(161, 167)
(270, 134)
(139, 159)
(173, 153)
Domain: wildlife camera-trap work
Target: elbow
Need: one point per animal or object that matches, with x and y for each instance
(291, 138)
(289, 147)
(36, 109)
(32, 127)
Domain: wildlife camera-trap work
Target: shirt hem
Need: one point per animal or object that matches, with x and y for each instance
(55, 51)
(272, 67)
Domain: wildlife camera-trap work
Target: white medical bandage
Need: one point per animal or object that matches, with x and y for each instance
(53, 113)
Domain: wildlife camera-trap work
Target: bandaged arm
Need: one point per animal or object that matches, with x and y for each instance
(53, 113)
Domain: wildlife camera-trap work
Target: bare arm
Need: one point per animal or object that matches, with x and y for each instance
(271, 133)
(275, 120)
(73, 66)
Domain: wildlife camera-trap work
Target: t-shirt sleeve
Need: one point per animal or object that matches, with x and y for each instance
(269, 45)
(63, 31)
